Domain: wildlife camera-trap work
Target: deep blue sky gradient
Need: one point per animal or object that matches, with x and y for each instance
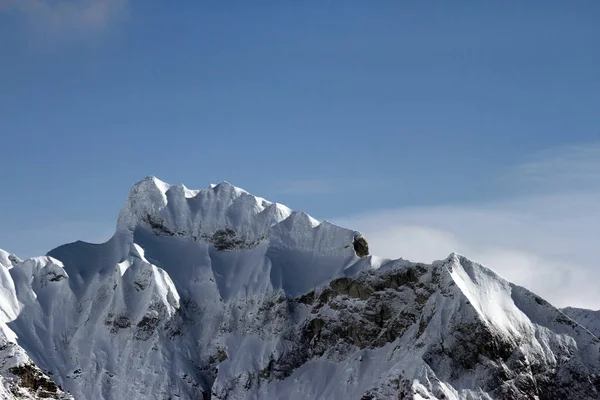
(385, 104)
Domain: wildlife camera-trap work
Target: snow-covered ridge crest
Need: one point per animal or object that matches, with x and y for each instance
(176, 210)
(587, 318)
(489, 294)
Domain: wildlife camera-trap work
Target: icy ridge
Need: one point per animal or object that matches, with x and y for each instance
(587, 318)
(176, 210)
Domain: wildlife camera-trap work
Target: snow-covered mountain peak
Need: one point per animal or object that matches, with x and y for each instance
(489, 294)
(147, 197)
(228, 187)
(176, 209)
(219, 220)
(217, 293)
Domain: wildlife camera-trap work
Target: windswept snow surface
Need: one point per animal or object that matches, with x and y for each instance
(220, 294)
(586, 318)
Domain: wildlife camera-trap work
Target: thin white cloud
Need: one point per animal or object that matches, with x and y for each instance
(60, 15)
(546, 241)
(572, 167)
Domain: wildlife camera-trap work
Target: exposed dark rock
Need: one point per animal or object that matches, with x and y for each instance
(361, 247)
(34, 380)
(351, 287)
(146, 327)
(228, 239)
(369, 314)
(158, 226)
(221, 354)
(121, 322)
(374, 309)
(54, 277)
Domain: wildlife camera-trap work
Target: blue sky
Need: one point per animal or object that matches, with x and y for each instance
(341, 109)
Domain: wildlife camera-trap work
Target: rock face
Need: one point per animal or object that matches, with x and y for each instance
(361, 247)
(20, 378)
(218, 294)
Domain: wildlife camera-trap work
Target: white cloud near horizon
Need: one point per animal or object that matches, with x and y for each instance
(570, 168)
(545, 239)
(61, 15)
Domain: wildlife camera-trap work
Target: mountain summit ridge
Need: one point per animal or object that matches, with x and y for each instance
(219, 294)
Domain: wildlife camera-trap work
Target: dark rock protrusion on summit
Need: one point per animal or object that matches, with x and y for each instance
(361, 247)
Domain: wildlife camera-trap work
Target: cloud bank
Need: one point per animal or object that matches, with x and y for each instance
(545, 239)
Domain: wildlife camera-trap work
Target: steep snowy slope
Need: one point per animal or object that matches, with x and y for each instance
(141, 315)
(20, 378)
(586, 318)
(220, 294)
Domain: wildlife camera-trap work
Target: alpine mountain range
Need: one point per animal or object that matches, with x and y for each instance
(220, 294)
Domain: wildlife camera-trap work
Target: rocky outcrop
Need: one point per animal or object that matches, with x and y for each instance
(20, 378)
(223, 239)
(417, 312)
(32, 379)
(228, 239)
(361, 247)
